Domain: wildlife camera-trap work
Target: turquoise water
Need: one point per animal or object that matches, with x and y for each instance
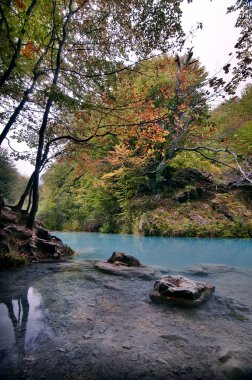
(175, 253)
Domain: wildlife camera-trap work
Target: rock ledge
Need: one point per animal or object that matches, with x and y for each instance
(20, 245)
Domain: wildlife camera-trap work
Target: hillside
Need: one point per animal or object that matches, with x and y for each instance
(185, 182)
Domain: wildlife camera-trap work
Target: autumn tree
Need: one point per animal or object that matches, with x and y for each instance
(108, 181)
(81, 50)
(67, 63)
(168, 102)
(24, 57)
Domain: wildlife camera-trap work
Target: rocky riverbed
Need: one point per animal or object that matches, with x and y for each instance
(72, 321)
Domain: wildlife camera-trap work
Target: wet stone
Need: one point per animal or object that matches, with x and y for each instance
(96, 353)
(123, 259)
(162, 361)
(61, 350)
(127, 346)
(180, 290)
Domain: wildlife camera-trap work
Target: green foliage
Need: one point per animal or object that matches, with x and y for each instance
(97, 209)
(11, 182)
(115, 190)
(56, 198)
(192, 160)
(233, 123)
(7, 176)
(75, 205)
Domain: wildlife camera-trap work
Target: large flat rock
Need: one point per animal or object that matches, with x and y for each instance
(142, 271)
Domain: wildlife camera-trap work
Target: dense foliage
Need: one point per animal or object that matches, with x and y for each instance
(115, 189)
(11, 182)
(67, 80)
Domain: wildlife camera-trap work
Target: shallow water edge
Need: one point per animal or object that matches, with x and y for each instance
(65, 321)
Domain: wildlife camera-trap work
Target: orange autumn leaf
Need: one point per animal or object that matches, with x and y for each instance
(20, 4)
(28, 49)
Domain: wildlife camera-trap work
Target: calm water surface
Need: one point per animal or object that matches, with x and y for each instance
(175, 253)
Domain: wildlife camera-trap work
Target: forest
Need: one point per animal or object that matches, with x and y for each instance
(126, 253)
(116, 186)
(122, 144)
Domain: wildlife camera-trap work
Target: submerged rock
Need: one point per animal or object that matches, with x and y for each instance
(124, 265)
(142, 271)
(234, 363)
(206, 269)
(180, 290)
(120, 258)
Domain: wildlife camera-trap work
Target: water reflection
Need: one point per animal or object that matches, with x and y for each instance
(21, 320)
(18, 310)
(55, 318)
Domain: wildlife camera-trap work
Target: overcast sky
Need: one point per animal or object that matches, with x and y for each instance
(216, 40)
(212, 44)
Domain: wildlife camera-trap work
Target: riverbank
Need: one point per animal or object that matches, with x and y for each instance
(78, 323)
(221, 214)
(191, 204)
(20, 245)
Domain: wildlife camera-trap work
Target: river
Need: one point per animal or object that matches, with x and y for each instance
(174, 253)
(71, 321)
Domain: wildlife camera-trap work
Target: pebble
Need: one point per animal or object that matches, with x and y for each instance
(30, 359)
(173, 337)
(126, 346)
(160, 360)
(224, 358)
(95, 353)
(86, 336)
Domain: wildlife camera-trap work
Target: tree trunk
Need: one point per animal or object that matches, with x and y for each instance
(160, 169)
(15, 56)
(35, 201)
(35, 183)
(25, 194)
(17, 111)
(2, 20)
(40, 157)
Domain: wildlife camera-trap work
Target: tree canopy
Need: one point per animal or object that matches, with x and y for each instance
(67, 76)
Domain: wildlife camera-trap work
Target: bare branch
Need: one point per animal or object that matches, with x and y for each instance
(238, 168)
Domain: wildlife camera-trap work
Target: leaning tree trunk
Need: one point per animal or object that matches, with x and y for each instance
(25, 194)
(17, 110)
(36, 74)
(35, 182)
(39, 158)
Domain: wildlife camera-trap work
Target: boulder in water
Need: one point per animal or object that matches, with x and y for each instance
(181, 291)
(120, 258)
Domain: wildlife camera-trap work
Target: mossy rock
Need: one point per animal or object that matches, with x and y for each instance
(13, 260)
